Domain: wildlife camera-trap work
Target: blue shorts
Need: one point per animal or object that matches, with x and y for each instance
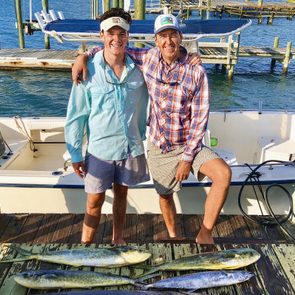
(101, 174)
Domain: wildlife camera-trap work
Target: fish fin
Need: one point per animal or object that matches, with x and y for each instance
(20, 250)
(152, 270)
(147, 277)
(141, 266)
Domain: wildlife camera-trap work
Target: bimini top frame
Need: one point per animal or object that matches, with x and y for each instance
(84, 30)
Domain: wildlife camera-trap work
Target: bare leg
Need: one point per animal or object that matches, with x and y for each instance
(220, 174)
(92, 216)
(168, 210)
(119, 212)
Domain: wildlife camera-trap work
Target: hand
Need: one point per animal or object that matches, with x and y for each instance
(194, 59)
(79, 168)
(79, 67)
(183, 170)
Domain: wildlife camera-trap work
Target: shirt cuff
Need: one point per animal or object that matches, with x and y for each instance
(76, 157)
(188, 156)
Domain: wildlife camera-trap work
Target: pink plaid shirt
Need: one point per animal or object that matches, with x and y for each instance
(179, 100)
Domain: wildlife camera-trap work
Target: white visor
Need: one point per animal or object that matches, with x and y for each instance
(113, 22)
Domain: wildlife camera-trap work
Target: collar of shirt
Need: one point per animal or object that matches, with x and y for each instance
(99, 60)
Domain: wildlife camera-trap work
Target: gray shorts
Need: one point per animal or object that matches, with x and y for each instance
(163, 166)
(101, 174)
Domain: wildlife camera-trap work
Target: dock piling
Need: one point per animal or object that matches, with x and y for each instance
(46, 37)
(139, 13)
(275, 46)
(106, 5)
(94, 9)
(19, 23)
(287, 58)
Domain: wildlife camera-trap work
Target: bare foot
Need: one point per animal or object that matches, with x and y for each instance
(204, 237)
(118, 242)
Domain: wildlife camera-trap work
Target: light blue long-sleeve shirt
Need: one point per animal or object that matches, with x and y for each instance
(112, 111)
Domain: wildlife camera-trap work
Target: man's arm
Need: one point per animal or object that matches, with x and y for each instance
(80, 71)
(77, 116)
(199, 119)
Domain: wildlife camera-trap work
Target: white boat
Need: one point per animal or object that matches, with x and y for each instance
(36, 174)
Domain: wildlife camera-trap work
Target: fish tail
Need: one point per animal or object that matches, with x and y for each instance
(140, 285)
(25, 255)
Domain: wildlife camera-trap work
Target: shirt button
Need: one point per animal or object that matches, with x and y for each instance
(163, 104)
(162, 122)
(166, 86)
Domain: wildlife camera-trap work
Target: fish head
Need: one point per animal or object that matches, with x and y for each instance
(30, 278)
(239, 276)
(134, 255)
(241, 257)
(27, 278)
(248, 255)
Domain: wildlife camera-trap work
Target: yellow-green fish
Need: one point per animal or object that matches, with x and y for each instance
(97, 257)
(64, 279)
(226, 259)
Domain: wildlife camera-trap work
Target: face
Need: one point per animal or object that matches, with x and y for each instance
(169, 42)
(115, 40)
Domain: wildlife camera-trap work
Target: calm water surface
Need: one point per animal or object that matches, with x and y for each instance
(45, 93)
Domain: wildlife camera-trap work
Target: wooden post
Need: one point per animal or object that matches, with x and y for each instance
(19, 23)
(270, 19)
(139, 13)
(260, 19)
(106, 5)
(139, 9)
(230, 74)
(275, 45)
(46, 37)
(94, 9)
(208, 9)
(287, 58)
(115, 3)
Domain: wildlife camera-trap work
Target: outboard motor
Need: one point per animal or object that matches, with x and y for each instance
(2, 146)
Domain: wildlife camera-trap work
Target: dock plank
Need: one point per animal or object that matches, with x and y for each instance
(270, 273)
(286, 257)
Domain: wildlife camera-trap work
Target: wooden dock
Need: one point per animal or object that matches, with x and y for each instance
(249, 9)
(211, 53)
(274, 271)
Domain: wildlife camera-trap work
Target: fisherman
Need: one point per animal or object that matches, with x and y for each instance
(111, 106)
(179, 111)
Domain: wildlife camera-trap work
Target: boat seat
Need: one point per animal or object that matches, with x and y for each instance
(273, 148)
(16, 146)
(227, 155)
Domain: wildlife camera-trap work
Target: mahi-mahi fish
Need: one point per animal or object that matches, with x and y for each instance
(226, 259)
(64, 279)
(97, 257)
(204, 279)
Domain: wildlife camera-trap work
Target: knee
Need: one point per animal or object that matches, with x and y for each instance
(166, 198)
(93, 204)
(223, 175)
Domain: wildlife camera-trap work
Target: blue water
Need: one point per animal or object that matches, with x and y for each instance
(42, 93)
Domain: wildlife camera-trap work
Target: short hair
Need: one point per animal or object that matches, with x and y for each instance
(118, 12)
